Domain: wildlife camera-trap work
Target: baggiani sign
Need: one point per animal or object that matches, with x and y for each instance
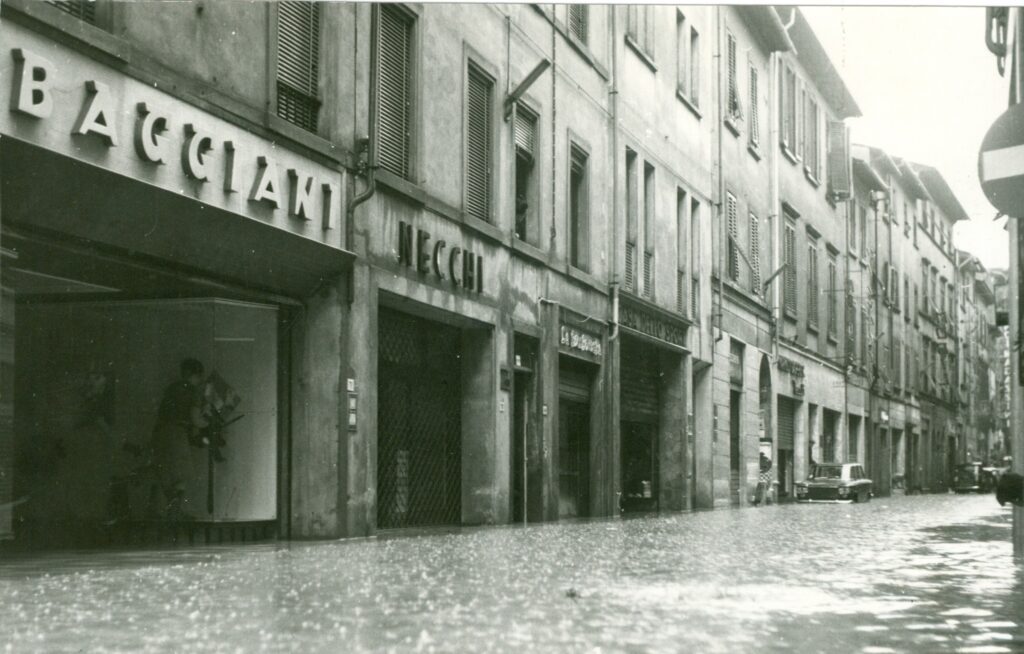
(195, 142)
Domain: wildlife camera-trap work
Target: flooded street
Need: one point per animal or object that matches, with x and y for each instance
(924, 573)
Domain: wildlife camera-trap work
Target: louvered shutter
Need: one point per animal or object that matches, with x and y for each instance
(812, 286)
(525, 131)
(787, 423)
(478, 144)
(851, 325)
(630, 266)
(694, 299)
(790, 274)
(833, 298)
(394, 90)
(755, 255)
(681, 282)
(578, 21)
(81, 9)
(298, 62)
(734, 257)
(734, 105)
(648, 273)
(754, 127)
(839, 182)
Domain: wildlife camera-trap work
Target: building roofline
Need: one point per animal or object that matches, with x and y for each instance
(812, 56)
(941, 192)
(766, 25)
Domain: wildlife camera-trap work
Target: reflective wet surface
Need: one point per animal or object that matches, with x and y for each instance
(929, 573)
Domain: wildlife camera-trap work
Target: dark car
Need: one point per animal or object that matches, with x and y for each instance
(974, 478)
(835, 482)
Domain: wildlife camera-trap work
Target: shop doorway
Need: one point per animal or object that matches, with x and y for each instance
(419, 422)
(735, 462)
(574, 383)
(639, 375)
(787, 437)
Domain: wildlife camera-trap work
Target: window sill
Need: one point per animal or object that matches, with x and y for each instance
(811, 177)
(483, 228)
(585, 278)
(528, 251)
(403, 187)
(644, 56)
(812, 327)
(787, 153)
(690, 104)
(730, 122)
(307, 139)
(789, 314)
(754, 151)
(832, 339)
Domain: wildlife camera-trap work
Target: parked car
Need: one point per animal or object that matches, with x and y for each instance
(974, 477)
(835, 482)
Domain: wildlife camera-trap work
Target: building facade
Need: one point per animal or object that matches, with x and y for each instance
(459, 265)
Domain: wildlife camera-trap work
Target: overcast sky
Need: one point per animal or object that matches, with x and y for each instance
(929, 90)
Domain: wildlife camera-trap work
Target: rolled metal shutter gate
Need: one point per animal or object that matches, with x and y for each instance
(787, 423)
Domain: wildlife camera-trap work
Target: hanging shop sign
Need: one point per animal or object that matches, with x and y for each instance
(572, 338)
(452, 264)
(91, 113)
(649, 323)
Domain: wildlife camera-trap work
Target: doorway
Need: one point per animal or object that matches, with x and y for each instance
(735, 399)
(573, 458)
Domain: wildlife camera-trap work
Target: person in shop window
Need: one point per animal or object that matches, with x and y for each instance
(180, 422)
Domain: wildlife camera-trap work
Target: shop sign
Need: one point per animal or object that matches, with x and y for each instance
(796, 374)
(459, 267)
(575, 339)
(166, 134)
(651, 325)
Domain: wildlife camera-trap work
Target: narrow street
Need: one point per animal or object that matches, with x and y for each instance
(908, 573)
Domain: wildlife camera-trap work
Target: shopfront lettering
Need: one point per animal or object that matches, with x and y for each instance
(574, 339)
(651, 325)
(32, 95)
(417, 250)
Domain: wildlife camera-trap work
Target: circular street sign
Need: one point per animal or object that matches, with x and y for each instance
(1001, 162)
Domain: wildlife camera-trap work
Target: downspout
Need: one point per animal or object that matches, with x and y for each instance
(614, 240)
(721, 178)
(775, 110)
(367, 144)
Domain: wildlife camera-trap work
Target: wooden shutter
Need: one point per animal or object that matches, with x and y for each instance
(851, 325)
(789, 247)
(733, 98)
(754, 128)
(525, 132)
(755, 255)
(833, 299)
(630, 266)
(81, 9)
(681, 282)
(734, 237)
(839, 183)
(394, 90)
(478, 144)
(578, 21)
(812, 283)
(298, 62)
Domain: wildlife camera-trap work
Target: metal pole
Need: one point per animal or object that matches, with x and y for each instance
(1016, 413)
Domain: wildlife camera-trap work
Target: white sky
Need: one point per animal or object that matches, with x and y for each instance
(929, 90)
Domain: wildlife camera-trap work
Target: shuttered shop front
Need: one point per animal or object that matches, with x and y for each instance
(639, 382)
(787, 423)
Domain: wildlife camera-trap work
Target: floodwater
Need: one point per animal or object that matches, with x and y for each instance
(928, 573)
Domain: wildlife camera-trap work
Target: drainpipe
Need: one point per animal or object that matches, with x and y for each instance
(721, 178)
(614, 240)
(365, 144)
(774, 111)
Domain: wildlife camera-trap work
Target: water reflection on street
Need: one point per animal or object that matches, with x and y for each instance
(926, 573)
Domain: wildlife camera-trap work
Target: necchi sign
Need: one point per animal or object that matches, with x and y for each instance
(86, 111)
(452, 264)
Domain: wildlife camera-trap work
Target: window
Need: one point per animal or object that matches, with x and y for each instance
(812, 144)
(812, 282)
(477, 175)
(694, 95)
(682, 43)
(649, 218)
(924, 288)
(755, 255)
(906, 297)
(833, 298)
(789, 254)
(851, 324)
(865, 336)
(84, 10)
(579, 16)
(862, 221)
(787, 83)
(640, 28)
(754, 127)
(525, 137)
(734, 236)
(298, 63)
(394, 90)
(695, 259)
(632, 219)
(733, 97)
(579, 210)
(851, 226)
(682, 279)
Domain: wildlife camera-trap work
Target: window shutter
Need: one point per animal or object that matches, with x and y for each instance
(754, 127)
(851, 325)
(734, 259)
(681, 278)
(755, 255)
(833, 299)
(648, 273)
(630, 266)
(578, 21)
(838, 160)
(525, 131)
(790, 275)
(733, 98)
(81, 9)
(394, 90)
(298, 62)
(812, 286)
(478, 145)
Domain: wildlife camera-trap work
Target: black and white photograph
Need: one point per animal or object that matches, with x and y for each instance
(345, 326)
